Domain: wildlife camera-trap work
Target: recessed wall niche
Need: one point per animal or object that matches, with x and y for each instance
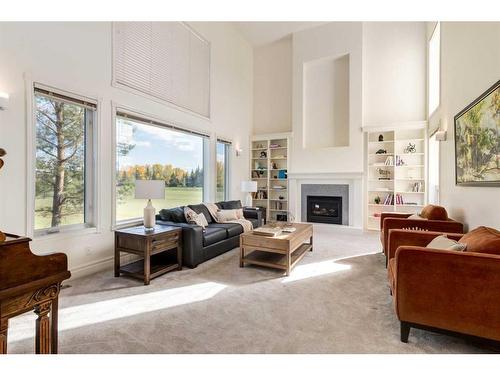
(326, 103)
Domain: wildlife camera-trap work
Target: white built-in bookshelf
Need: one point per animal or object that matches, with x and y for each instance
(269, 168)
(396, 172)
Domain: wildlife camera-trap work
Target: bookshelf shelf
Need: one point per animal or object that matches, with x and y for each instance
(395, 194)
(275, 166)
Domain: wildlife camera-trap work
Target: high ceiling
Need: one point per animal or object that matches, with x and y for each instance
(259, 33)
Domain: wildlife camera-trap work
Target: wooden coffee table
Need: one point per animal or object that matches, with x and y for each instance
(282, 252)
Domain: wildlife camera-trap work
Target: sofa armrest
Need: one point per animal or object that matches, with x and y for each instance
(402, 237)
(445, 226)
(192, 242)
(384, 215)
(249, 213)
(457, 291)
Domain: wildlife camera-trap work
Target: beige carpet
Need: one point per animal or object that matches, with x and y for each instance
(335, 301)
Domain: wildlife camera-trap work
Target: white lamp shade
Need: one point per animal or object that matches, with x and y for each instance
(149, 189)
(248, 186)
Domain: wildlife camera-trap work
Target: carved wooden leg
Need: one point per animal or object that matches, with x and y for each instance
(54, 313)
(4, 326)
(405, 331)
(42, 334)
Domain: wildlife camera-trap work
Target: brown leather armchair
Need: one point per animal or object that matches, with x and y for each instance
(443, 289)
(435, 218)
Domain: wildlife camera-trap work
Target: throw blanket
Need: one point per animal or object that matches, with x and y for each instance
(212, 208)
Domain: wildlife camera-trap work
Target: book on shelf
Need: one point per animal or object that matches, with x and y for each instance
(389, 200)
(389, 161)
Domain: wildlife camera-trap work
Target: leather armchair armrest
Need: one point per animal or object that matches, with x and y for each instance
(402, 237)
(253, 214)
(457, 291)
(192, 242)
(400, 215)
(445, 226)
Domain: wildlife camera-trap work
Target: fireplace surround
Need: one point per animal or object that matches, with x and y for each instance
(326, 190)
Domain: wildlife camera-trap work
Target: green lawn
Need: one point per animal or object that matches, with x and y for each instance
(126, 209)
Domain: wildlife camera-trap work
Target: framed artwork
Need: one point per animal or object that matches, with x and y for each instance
(477, 141)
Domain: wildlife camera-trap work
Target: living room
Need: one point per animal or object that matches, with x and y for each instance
(297, 186)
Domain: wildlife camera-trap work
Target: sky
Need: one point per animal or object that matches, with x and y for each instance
(157, 145)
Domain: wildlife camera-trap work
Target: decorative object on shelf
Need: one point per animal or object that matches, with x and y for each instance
(417, 187)
(2, 154)
(377, 200)
(248, 187)
(282, 173)
(255, 174)
(259, 146)
(399, 162)
(281, 217)
(281, 197)
(410, 149)
(263, 155)
(384, 174)
(477, 144)
(274, 165)
(274, 145)
(381, 138)
(381, 151)
(149, 189)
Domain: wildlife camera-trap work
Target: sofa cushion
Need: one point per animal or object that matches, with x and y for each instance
(229, 205)
(432, 212)
(175, 214)
(232, 229)
(482, 240)
(444, 243)
(255, 222)
(202, 209)
(213, 235)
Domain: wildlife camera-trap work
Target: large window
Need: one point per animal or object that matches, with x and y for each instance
(147, 150)
(222, 170)
(64, 161)
(434, 69)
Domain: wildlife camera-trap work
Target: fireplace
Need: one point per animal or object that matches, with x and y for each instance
(324, 209)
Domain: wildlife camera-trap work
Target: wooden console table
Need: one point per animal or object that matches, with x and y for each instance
(30, 282)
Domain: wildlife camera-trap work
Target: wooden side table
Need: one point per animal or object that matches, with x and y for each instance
(153, 247)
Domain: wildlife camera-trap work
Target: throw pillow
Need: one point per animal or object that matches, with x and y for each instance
(416, 217)
(482, 240)
(444, 243)
(194, 218)
(227, 215)
(432, 212)
(229, 205)
(175, 215)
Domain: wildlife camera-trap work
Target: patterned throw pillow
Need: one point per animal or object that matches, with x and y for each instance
(227, 215)
(194, 218)
(444, 243)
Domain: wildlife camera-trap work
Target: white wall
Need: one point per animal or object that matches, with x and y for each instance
(77, 57)
(331, 40)
(394, 72)
(272, 111)
(470, 64)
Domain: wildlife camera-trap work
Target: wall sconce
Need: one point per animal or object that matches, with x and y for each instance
(4, 100)
(441, 135)
(238, 150)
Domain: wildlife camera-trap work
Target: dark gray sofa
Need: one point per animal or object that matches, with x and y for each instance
(200, 245)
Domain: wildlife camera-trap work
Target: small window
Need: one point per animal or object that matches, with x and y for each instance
(434, 69)
(222, 170)
(64, 161)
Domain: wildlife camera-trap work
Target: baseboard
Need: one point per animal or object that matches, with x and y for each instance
(97, 266)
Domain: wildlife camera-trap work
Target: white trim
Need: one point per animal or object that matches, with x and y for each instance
(374, 127)
(268, 136)
(30, 83)
(121, 86)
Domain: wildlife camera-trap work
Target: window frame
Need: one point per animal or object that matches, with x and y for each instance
(92, 170)
(227, 162)
(118, 108)
(436, 32)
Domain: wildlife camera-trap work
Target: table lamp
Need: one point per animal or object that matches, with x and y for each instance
(149, 189)
(248, 187)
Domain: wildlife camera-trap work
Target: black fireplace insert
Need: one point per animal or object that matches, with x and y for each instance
(324, 209)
